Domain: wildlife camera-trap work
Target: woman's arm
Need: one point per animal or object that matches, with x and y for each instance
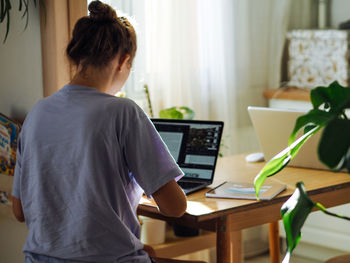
(171, 200)
(17, 209)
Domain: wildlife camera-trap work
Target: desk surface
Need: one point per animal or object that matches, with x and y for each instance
(323, 186)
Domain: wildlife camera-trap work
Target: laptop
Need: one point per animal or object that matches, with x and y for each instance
(273, 128)
(195, 146)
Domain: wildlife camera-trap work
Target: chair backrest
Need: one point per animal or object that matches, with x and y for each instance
(339, 259)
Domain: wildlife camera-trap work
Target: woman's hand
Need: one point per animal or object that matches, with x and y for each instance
(171, 200)
(17, 209)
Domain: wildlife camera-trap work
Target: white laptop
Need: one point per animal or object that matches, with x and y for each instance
(273, 128)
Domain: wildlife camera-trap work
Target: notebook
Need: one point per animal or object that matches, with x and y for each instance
(245, 191)
(195, 146)
(273, 128)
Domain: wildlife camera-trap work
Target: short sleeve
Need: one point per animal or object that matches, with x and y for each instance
(147, 156)
(18, 171)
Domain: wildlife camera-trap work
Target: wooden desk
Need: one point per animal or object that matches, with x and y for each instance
(228, 217)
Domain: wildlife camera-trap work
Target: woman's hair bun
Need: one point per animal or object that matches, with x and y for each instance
(102, 12)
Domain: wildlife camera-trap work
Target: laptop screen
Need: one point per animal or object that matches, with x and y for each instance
(193, 144)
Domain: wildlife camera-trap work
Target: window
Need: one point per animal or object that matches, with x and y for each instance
(134, 87)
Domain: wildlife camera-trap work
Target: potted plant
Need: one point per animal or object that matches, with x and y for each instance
(329, 115)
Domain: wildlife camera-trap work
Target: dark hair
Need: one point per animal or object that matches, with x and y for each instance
(99, 37)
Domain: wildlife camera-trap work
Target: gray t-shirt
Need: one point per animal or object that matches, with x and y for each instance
(84, 160)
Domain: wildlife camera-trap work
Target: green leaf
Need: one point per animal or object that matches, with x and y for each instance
(347, 161)
(294, 213)
(177, 113)
(309, 121)
(324, 210)
(333, 150)
(335, 143)
(319, 96)
(170, 113)
(2, 10)
(187, 112)
(7, 14)
(278, 162)
(335, 96)
(26, 13)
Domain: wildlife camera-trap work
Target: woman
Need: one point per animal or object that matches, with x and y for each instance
(85, 157)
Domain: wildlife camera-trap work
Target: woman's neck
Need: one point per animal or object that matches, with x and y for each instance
(101, 80)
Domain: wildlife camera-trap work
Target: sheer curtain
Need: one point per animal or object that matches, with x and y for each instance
(215, 56)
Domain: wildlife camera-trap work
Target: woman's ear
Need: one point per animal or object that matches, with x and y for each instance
(124, 62)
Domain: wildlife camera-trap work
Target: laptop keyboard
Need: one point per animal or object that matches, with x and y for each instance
(188, 185)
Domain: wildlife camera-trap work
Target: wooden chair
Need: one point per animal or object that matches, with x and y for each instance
(339, 259)
(163, 260)
(152, 253)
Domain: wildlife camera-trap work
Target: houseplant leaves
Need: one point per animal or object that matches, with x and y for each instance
(281, 160)
(334, 144)
(329, 108)
(177, 113)
(334, 97)
(294, 213)
(6, 6)
(328, 113)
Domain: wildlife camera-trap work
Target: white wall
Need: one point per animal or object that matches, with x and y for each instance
(339, 12)
(304, 13)
(20, 88)
(20, 64)
(12, 239)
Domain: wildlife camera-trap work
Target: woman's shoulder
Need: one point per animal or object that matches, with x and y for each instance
(125, 105)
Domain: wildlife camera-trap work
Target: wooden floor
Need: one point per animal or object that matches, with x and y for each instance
(210, 257)
(266, 259)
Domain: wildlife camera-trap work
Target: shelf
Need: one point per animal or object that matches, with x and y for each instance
(288, 94)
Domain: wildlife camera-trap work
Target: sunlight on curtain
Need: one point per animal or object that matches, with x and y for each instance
(216, 57)
(172, 53)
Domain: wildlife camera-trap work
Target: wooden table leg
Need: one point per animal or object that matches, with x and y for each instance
(236, 237)
(274, 240)
(224, 244)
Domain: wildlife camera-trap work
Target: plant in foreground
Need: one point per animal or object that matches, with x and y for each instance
(329, 115)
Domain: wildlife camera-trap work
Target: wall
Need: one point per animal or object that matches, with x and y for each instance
(304, 13)
(339, 12)
(12, 239)
(20, 64)
(20, 88)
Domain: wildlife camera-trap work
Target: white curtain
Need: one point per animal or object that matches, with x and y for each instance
(215, 56)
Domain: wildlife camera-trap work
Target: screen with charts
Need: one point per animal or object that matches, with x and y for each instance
(194, 145)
